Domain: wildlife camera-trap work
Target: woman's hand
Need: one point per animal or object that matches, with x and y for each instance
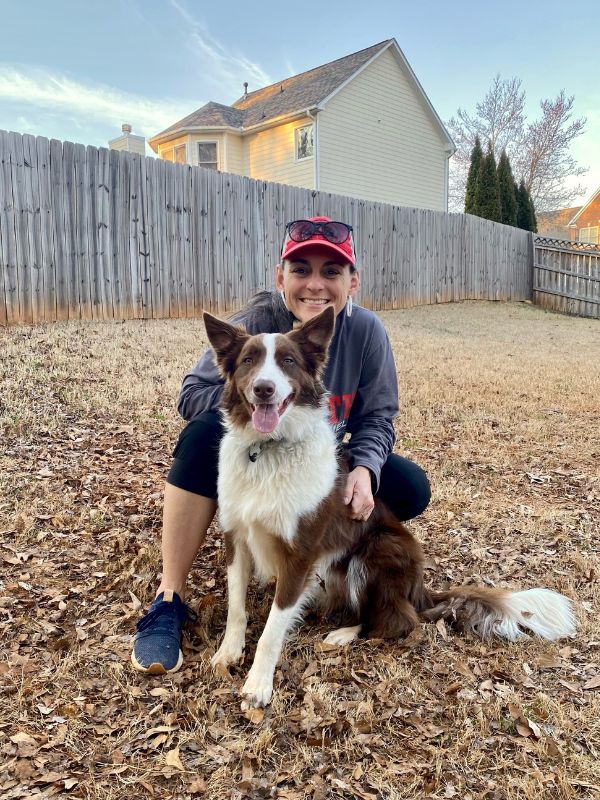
(358, 494)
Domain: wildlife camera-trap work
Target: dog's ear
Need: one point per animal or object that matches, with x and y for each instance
(226, 340)
(314, 337)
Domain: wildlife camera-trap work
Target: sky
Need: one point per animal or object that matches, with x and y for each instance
(75, 70)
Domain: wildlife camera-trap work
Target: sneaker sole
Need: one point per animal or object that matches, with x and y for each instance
(156, 668)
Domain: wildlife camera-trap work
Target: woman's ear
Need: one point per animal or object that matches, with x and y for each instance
(354, 283)
(279, 277)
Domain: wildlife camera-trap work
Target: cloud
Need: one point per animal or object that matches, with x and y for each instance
(28, 89)
(224, 70)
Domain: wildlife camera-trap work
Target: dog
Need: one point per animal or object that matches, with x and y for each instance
(280, 493)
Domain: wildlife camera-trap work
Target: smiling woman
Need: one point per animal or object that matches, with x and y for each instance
(317, 271)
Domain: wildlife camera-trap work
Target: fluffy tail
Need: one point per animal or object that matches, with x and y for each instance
(489, 612)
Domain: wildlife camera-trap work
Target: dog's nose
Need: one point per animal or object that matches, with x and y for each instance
(264, 391)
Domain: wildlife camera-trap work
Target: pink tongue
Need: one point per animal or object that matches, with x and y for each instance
(265, 418)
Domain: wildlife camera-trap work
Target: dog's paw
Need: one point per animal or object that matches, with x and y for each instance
(256, 693)
(343, 635)
(229, 653)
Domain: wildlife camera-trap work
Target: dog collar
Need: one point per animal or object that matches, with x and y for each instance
(256, 449)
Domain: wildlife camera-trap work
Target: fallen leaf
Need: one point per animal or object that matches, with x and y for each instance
(593, 683)
(172, 759)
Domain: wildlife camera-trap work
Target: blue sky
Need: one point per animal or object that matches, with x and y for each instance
(77, 70)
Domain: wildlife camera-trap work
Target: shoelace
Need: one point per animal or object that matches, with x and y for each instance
(162, 614)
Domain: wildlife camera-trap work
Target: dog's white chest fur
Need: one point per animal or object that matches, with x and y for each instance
(288, 480)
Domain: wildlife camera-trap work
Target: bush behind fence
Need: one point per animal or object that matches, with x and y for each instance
(91, 233)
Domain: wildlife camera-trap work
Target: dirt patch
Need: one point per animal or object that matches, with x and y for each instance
(499, 405)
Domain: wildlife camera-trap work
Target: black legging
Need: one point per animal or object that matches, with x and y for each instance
(403, 484)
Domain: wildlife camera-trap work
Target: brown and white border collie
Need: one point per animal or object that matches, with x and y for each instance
(281, 480)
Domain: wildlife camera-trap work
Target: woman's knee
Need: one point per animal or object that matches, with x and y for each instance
(196, 456)
(404, 487)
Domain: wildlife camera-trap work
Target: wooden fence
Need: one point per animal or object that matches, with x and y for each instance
(88, 233)
(566, 277)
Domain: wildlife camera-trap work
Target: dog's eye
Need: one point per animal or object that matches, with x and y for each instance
(288, 360)
(248, 360)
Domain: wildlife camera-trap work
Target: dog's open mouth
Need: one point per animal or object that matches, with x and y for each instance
(265, 417)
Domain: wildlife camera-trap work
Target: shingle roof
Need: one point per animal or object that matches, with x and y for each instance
(209, 115)
(302, 91)
(559, 218)
(284, 97)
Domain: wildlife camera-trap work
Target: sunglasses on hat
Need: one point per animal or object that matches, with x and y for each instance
(303, 229)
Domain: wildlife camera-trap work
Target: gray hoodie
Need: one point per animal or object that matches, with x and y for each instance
(360, 377)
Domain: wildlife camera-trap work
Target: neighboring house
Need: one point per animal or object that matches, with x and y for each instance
(578, 224)
(585, 225)
(360, 126)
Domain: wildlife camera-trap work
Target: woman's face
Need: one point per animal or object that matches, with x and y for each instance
(314, 280)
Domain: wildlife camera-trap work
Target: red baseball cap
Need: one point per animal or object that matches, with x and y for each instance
(344, 249)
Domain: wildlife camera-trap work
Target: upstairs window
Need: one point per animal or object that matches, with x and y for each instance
(304, 142)
(176, 154)
(207, 155)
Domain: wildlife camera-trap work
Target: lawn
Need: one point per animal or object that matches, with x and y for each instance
(499, 403)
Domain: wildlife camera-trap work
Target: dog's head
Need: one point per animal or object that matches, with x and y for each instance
(267, 374)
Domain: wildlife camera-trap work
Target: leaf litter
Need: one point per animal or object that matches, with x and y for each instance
(88, 418)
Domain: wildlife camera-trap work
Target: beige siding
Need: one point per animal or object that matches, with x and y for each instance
(270, 156)
(233, 155)
(377, 141)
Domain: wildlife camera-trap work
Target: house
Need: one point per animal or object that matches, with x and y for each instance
(585, 224)
(578, 224)
(360, 126)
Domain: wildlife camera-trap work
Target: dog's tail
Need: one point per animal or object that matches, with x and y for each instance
(499, 612)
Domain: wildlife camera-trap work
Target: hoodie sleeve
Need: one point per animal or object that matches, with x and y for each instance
(374, 407)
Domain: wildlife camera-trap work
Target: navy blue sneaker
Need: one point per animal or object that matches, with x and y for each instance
(157, 643)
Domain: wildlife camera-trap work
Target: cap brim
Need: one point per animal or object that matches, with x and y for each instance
(295, 248)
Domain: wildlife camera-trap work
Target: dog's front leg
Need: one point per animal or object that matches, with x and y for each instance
(290, 601)
(239, 565)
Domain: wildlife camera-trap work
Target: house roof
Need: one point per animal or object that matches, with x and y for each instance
(551, 220)
(291, 96)
(584, 207)
(305, 90)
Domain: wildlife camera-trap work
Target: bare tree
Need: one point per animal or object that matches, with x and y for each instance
(538, 151)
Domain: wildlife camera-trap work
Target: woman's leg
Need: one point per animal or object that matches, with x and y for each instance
(404, 487)
(186, 518)
(189, 507)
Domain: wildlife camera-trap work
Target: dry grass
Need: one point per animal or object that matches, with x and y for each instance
(499, 404)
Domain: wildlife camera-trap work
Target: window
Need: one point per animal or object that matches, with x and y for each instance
(207, 155)
(176, 154)
(304, 142)
(589, 235)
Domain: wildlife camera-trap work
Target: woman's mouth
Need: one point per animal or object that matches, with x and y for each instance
(314, 301)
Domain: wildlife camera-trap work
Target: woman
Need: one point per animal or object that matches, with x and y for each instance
(318, 268)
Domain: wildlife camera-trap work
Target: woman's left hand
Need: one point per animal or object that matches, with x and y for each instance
(358, 494)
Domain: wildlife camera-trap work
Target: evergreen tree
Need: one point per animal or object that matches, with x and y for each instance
(508, 197)
(522, 207)
(476, 159)
(532, 216)
(487, 190)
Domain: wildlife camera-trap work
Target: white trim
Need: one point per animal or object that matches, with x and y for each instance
(316, 158)
(583, 208)
(225, 153)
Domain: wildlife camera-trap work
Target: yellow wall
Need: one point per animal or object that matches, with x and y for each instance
(172, 143)
(270, 156)
(378, 142)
